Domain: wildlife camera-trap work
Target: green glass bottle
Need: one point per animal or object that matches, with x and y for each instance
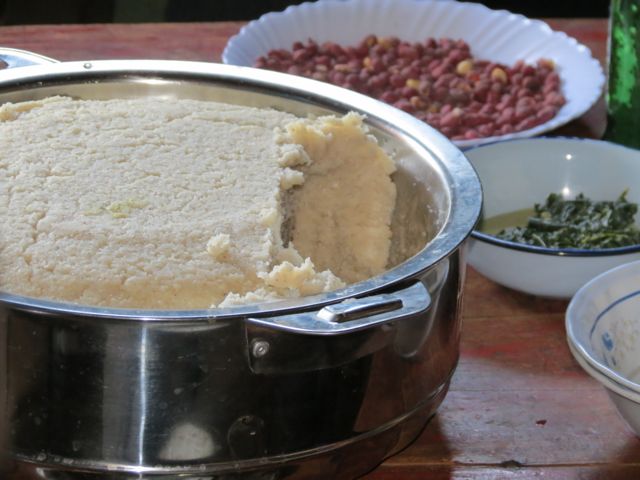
(623, 86)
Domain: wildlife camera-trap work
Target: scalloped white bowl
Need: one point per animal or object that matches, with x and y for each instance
(495, 35)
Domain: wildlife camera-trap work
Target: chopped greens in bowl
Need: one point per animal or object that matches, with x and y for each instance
(579, 223)
(551, 245)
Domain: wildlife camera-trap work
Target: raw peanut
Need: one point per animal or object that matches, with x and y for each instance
(497, 87)
(410, 72)
(546, 63)
(493, 97)
(300, 55)
(389, 97)
(522, 113)
(421, 115)
(518, 66)
(324, 60)
(455, 56)
(445, 80)
(369, 41)
(487, 109)
(498, 74)
(506, 129)
(546, 114)
(333, 49)
(445, 43)
(446, 131)
(473, 120)
(342, 67)
(553, 77)
(281, 54)
(352, 53)
(486, 130)
(433, 64)
(407, 51)
(531, 83)
(506, 117)
(525, 102)
(527, 123)
(516, 78)
(408, 92)
(440, 93)
(360, 51)
(471, 134)
(452, 119)
(446, 108)
(550, 87)
(364, 76)
(474, 106)
(418, 103)
(387, 42)
(336, 77)
(404, 104)
(438, 71)
(458, 96)
(352, 79)
(424, 87)
(413, 83)
(482, 85)
(481, 65)
(508, 99)
(554, 98)
(322, 76)
(397, 81)
(464, 67)
(432, 118)
(377, 81)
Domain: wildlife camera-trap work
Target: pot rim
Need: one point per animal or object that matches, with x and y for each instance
(459, 175)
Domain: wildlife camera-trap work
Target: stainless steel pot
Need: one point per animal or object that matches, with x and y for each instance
(310, 388)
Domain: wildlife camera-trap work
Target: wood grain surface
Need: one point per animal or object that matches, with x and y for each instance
(519, 406)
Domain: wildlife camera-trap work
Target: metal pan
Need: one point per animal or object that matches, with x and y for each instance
(309, 388)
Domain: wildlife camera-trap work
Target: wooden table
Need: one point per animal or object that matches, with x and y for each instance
(519, 406)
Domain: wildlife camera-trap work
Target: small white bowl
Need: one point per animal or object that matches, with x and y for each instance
(626, 401)
(603, 332)
(517, 174)
(495, 35)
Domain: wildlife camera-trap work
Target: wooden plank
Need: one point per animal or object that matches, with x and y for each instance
(179, 41)
(519, 406)
(481, 472)
(486, 299)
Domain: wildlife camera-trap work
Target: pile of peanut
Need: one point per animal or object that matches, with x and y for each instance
(438, 81)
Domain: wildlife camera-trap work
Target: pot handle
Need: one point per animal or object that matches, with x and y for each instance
(13, 58)
(352, 315)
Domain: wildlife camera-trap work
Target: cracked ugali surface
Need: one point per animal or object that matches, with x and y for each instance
(169, 204)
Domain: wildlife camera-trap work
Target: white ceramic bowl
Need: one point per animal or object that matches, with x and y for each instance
(626, 401)
(517, 174)
(603, 332)
(495, 35)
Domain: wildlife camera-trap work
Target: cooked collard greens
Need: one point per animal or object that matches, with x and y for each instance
(578, 223)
